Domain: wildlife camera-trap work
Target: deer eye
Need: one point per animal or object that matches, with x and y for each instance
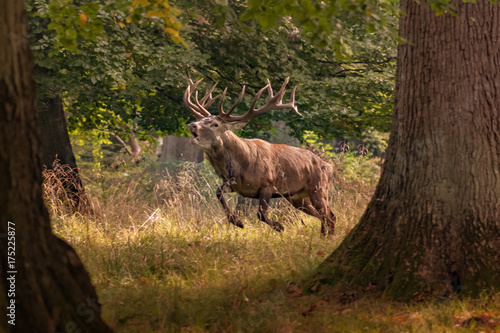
(215, 125)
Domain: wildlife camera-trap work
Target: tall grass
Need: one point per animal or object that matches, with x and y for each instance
(164, 258)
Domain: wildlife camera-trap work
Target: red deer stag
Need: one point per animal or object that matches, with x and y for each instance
(255, 168)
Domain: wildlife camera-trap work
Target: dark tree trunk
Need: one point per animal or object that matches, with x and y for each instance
(57, 153)
(433, 225)
(52, 289)
(54, 133)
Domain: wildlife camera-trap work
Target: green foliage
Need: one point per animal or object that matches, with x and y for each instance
(70, 21)
(441, 7)
(158, 9)
(90, 140)
(362, 168)
(76, 23)
(131, 75)
(118, 81)
(324, 21)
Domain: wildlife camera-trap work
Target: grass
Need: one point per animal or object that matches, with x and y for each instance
(163, 258)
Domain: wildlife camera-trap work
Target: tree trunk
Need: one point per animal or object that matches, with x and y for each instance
(47, 282)
(57, 153)
(433, 224)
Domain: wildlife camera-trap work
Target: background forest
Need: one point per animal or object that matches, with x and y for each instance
(131, 76)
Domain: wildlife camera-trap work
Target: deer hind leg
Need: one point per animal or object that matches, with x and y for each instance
(319, 200)
(329, 221)
(305, 205)
(230, 216)
(264, 197)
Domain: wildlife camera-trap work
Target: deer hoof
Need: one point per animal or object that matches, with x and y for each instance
(277, 226)
(329, 231)
(234, 220)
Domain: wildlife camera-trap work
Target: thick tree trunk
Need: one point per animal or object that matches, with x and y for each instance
(57, 153)
(433, 225)
(54, 133)
(44, 277)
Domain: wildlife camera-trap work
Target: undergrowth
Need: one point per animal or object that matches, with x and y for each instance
(164, 258)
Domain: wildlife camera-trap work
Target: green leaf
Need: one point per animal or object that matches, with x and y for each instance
(70, 33)
(370, 27)
(268, 21)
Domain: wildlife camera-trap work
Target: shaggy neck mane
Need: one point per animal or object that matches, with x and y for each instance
(221, 156)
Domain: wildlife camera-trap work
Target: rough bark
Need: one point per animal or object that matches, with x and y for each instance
(53, 292)
(57, 152)
(433, 225)
(54, 133)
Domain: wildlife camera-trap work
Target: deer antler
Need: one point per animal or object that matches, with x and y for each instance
(222, 114)
(199, 108)
(273, 102)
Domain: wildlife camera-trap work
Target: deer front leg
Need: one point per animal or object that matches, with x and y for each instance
(231, 217)
(264, 197)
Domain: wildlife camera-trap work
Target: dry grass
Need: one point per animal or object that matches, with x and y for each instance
(164, 259)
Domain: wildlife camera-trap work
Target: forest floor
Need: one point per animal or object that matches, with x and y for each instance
(163, 258)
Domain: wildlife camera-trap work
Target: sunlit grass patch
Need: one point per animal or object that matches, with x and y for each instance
(189, 272)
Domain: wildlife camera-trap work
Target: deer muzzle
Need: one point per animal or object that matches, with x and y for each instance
(193, 128)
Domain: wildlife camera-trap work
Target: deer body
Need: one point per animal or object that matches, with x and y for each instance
(257, 169)
(248, 166)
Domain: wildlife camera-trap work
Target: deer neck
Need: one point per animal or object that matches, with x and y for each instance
(224, 154)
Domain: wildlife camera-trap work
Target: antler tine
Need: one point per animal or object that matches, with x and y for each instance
(221, 106)
(257, 96)
(281, 92)
(273, 102)
(187, 100)
(279, 96)
(193, 85)
(238, 101)
(208, 96)
(197, 109)
(203, 103)
(292, 97)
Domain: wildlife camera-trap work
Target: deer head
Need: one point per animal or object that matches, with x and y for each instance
(208, 130)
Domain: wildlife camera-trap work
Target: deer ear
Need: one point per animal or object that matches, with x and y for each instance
(236, 125)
